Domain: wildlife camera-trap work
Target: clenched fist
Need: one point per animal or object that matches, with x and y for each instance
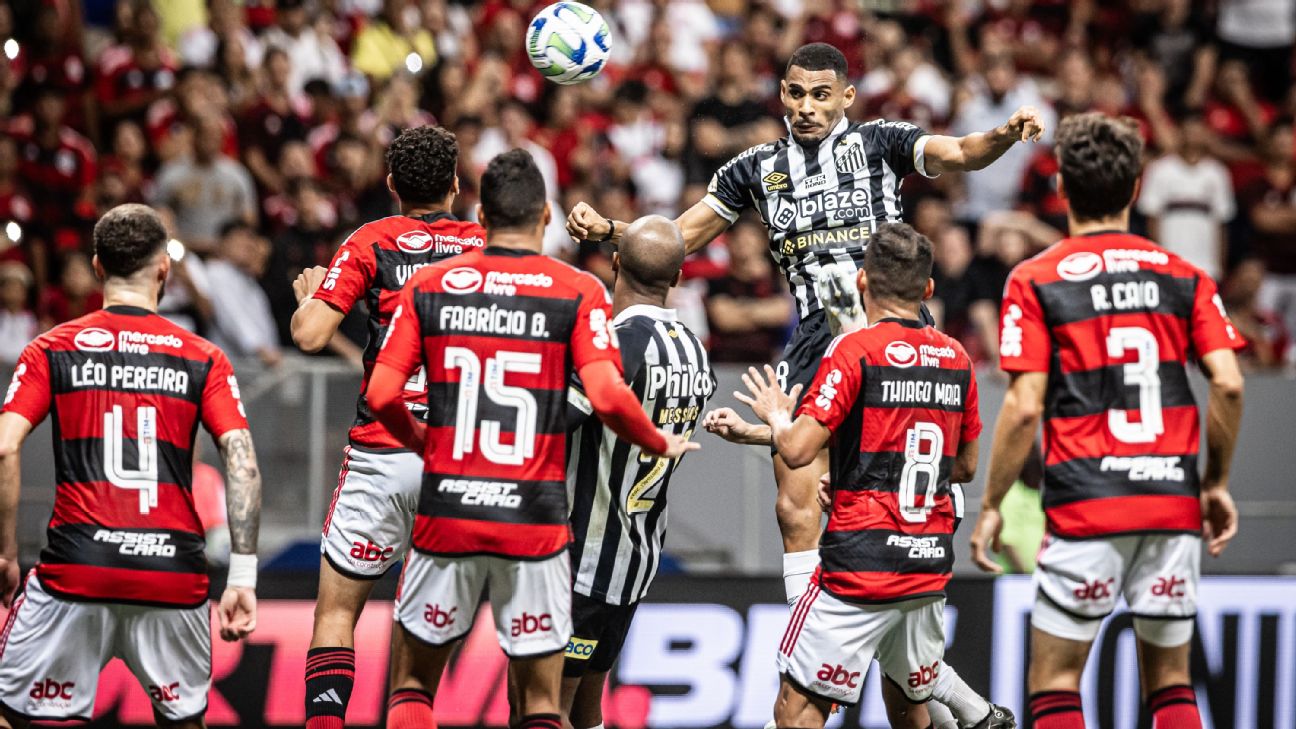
(585, 223)
(308, 281)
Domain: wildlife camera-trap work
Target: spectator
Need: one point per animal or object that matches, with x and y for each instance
(1177, 40)
(123, 171)
(18, 324)
(514, 132)
(1187, 197)
(748, 309)
(236, 71)
(275, 119)
(731, 119)
(56, 61)
(77, 294)
(395, 41)
(1270, 204)
(359, 182)
(138, 71)
(313, 54)
(647, 148)
(1261, 33)
(207, 190)
(202, 45)
(186, 300)
(242, 322)
(15, 204)
(1266, 339)
(694, 30)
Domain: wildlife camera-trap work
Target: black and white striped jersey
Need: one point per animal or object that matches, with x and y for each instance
(822, 202)
(617, 494)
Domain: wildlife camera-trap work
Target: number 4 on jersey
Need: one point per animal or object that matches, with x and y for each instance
(143, 479)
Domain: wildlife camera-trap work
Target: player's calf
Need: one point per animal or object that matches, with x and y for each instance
(330, 662)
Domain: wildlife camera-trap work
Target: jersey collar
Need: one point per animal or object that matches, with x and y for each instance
(907, 323)
(652, 312)
(127, 310)
(837, 131)
(431, 218)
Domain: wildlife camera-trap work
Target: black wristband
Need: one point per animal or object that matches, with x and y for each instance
(611, 230)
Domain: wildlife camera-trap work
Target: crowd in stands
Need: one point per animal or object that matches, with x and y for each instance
(258, 127)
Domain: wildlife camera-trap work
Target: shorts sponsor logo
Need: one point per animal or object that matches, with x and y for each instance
(439, 617)
(838, 676)
(775, 181)
(52, 690)
(528, 624)
(367, 551)
(580, 649)
(901, 354)
(1172, 587)
(1095, 590)
(924, 675)
(415, 241)
(1080, 266)
(138, 544)
(165, 692)
(462, 280)
(93, 339)
(919, 547)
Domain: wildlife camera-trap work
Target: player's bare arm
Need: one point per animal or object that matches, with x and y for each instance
(1014, 433)
(977, 151)
(728, 424)
(699, 225)
(14, 429)
(799, 441)
(243, 505)
(315, 322)
(965, 461)
(1223, 417)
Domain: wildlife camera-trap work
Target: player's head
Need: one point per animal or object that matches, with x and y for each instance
(421, 165)
(513, 197)
(897, 268)
(130, 246)
(647, 262)
(815, 91)
(1100, 159)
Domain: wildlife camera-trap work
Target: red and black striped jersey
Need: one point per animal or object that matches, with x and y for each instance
(1113, 319)
(126, 390)
(373, 264)
(499, 332)
(899, 398)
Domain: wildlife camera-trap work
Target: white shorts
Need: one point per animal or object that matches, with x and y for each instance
(1078, 582)
(829, 643)
(531, 600)
(368, 526)
(52, 650)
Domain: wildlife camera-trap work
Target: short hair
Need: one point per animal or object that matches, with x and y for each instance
(652, 251)
(512, 191)
(422, 163)
(819, 57)
(127, 237)
(1100, 159)
(898, 262)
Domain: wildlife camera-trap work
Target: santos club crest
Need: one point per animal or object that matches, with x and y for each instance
(850, 156)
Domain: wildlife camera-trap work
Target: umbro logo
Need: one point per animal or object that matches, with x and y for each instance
(328, 697)
(775, 181)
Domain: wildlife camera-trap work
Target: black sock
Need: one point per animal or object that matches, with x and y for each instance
(330, 675)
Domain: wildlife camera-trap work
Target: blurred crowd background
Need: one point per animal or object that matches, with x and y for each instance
(258, 127)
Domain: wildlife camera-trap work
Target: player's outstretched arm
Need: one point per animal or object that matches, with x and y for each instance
(698, 225)
(315, 322)
(619, 409)
(1014, 433)
(1223, 418)
(728, 424)
(14, 429)
(976, 151)
(797, 442)
(243, 506)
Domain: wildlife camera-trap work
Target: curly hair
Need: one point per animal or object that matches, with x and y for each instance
(127, 237)
(1100, 158)
(422, 163)
(898, 262)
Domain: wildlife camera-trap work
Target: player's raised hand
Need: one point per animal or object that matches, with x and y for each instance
(308, 281)
(767, 399)
(986, 536)
(10, 576)
(585, 223)
(1027, 124)
(1219, 519)
(237, 612)
(678, 445)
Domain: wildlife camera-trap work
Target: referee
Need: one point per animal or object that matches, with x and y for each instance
(617, 494)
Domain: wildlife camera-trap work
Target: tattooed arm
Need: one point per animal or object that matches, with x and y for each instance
(243, 490)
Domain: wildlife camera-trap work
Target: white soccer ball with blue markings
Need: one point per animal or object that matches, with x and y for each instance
(568, 42)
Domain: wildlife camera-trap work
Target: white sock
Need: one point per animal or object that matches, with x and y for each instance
(966, 704)
(797, 569)
(941, 717)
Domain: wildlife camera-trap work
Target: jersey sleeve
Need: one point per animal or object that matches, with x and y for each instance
(593, 337)
(29, 391)
(836, 386)
(971, 409)
(222, 406)
(1210, 327)
(579, 407)
(402, 348)
(350, 274)
(903, 144)
(1024, 344)
(728, 193)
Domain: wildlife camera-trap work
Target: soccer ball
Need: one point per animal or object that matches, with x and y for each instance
(568, 42)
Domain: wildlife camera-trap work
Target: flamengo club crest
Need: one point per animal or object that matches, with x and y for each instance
(850, 156)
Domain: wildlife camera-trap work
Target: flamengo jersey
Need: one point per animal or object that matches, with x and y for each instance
(1113, 318)
(618, 495)
(899, 398)
(499, 332)
(821, 203)
(374, 263)
(126, 390)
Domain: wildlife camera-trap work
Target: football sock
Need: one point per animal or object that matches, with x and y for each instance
(797, 569)
(541, 721)
(410, 709)
(330, 675)
(965, 704)
(1174, 707)
(1057, 710)
(941, 716)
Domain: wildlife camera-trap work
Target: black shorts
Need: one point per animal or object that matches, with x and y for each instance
(598, 632)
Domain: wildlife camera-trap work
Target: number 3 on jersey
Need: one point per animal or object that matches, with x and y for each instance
(472, 382)
(1143, 372)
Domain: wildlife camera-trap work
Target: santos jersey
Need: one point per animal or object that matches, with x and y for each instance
(499, 332)
(899, 398)
(822, 202)
(1113, 319)
(618, 494)
(373, 264)
(126, 390)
